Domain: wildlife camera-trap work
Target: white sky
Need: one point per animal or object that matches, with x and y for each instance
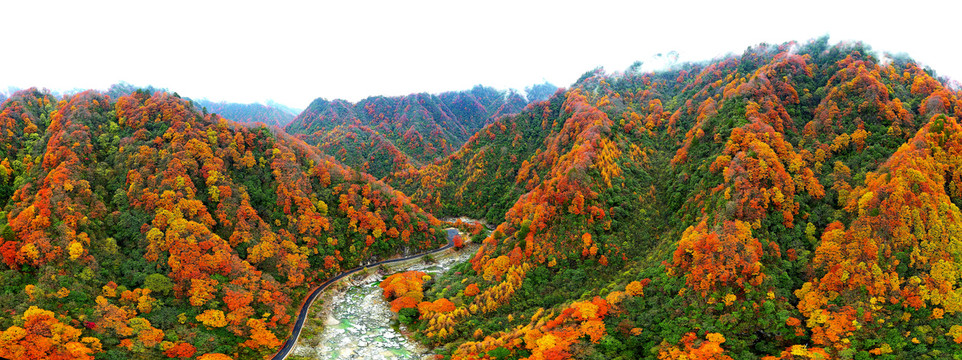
(295, 51)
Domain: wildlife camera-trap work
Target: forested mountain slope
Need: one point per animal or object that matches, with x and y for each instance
(796, 201)
(140, 228)
(381, 135)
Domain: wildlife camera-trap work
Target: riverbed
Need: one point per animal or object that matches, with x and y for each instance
(352, 320)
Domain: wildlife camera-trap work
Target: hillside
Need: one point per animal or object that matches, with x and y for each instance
(381, 135)
(140, 228)
(794, 201)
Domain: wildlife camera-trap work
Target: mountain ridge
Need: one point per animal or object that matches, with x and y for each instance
(382, 135)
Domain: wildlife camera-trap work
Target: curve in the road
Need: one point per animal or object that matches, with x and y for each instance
(302, 315)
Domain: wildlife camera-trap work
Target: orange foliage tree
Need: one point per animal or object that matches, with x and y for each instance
(44, 337)
(404, 290)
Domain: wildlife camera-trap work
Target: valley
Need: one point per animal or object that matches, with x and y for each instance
(792, 201)
(354, 321)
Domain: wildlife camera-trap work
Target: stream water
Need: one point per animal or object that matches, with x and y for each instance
(354, 321)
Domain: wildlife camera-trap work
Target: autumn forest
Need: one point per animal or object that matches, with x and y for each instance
(794, 201)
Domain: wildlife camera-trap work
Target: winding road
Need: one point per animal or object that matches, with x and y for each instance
(302, 315)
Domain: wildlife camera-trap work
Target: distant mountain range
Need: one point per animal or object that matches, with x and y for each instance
(272, 114)
(381, 135)
(250, 113)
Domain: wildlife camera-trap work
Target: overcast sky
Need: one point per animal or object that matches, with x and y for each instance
(293, 52)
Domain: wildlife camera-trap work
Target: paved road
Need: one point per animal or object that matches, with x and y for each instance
(302, 315)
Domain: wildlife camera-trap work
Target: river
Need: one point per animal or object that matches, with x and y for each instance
(352, 321)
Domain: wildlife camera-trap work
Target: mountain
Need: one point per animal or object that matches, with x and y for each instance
(488, 174)
(540, 92)
(271, 115)
(139, 227)
(288, 109)
(381, 135)
(794, 201)
(123, 89)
